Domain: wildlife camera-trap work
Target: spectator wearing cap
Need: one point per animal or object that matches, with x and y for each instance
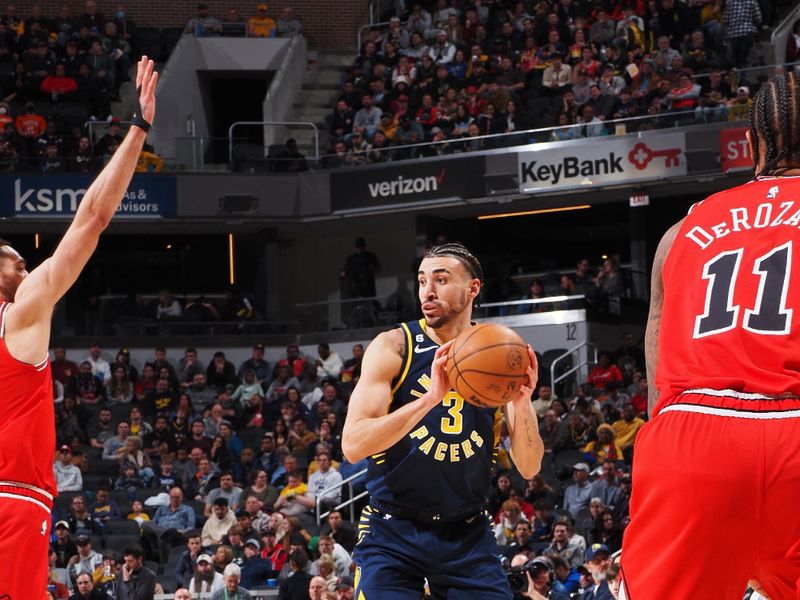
(287, 24)
(578, 494)
(100, 367)
(217, 525)
(203, 25)
(205, 578)
(260, 25)
(442, 51)
(605, 446)
(68, 476)
(86, 560)
(255, 569)
(598, 561)
(272, 550)
(258, 365)
(63, 546)
(739, 107)
(344, 589)
(396, 34)
(232, 576)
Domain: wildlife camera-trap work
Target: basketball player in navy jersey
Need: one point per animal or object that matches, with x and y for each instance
(430, 454)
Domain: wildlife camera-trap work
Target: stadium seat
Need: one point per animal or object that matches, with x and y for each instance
(116, 526)
(147, 40)
(119, 541)
(168, 582)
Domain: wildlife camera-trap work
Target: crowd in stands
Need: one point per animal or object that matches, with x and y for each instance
(260, 24)
(56, 73)
(452, 69)
(207, 475)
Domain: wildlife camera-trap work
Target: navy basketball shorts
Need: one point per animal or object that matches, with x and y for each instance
(395, 556)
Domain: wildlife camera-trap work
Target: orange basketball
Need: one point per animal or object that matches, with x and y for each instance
(487, 364)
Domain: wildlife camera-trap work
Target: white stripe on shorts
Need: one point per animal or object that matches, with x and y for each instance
(729, 412)
(25, 498)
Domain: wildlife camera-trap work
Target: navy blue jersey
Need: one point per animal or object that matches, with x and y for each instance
(444, 463)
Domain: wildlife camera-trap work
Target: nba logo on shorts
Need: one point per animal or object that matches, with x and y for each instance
(43, 531)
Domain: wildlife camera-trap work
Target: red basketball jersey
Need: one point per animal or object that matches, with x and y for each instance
(731, 312)
(27, 420)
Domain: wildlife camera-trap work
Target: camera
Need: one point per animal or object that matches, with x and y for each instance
(517, 576)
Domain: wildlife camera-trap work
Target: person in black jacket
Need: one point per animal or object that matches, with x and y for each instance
(295, 587)
(84, 589)
(255, 570)
(137, 582)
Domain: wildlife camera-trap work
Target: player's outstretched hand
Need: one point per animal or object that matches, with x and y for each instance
(526, 391)
(440, 383)
(146, 80)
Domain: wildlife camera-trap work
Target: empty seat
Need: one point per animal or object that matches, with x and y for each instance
(115, 526)
(168, 582)
(120, 541)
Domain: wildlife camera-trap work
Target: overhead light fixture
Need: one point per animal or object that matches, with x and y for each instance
(540, 211)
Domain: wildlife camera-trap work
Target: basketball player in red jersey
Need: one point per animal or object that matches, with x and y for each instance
(717, 469)
(27, 423)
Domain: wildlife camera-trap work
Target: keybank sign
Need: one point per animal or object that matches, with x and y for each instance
(148, 196)
(601, 161)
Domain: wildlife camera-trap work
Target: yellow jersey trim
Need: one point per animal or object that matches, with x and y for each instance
(406, 367)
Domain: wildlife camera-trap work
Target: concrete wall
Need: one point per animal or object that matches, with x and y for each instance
(179, 94)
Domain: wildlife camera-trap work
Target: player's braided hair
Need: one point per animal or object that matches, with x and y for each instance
(461, 254)
(774, 121)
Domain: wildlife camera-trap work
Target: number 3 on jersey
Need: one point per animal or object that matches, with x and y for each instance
(454, 423)
(769, 315)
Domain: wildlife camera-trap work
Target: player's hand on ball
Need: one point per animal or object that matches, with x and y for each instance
(526, 391)
(440, 384)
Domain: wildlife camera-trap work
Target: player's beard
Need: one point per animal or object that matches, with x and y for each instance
(447, 316)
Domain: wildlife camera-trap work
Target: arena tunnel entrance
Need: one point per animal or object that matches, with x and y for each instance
(231, 96)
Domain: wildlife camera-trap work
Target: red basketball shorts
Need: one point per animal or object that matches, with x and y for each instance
(714, 502)
(24, 541)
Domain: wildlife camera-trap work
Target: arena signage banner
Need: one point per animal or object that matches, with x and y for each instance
(58, 196)
(734, 151)
(402, 183)
(601, 161)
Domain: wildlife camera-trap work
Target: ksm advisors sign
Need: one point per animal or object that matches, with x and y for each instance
(400, 183)
(599, 161)
(54, 196)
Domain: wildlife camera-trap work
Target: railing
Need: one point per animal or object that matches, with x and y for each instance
(361, 312)
(272, 593)
(364, 28)
(272, 124)
(581, 364)
(350, 502)
(781, 34)
(554, 300)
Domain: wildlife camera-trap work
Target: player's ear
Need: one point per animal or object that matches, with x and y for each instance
(474, 287)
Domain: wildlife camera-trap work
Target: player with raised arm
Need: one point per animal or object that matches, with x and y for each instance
(430, 453)
(718, 465)
(27, 422)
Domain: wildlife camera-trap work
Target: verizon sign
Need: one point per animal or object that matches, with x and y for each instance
(407, 181)
(601, 161)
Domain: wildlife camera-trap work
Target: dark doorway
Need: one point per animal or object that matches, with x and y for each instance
(231, 96)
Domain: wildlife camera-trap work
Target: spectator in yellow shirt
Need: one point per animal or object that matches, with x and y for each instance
(149, 161)
(260, 25)
(627, 427)
(606, 447)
